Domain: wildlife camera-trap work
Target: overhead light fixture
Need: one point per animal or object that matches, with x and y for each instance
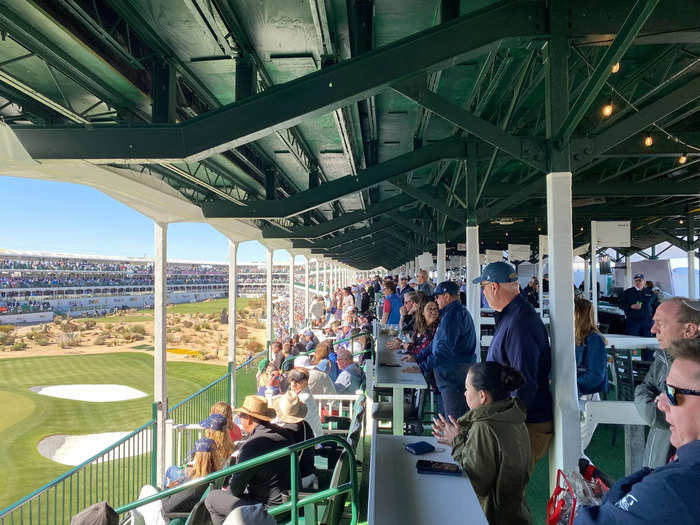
(683, 159)
(680, 222)
(648, 140)
(608, 108)
(615, 68)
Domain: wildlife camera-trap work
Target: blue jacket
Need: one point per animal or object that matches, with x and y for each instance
(645, 296)
(521, 341)
(454, 341)
(400, 291)
(668, 494)
(591, 365)
(396, 303)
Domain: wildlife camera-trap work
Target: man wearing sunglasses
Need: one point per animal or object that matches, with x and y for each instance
(675, 319)
(668, 494)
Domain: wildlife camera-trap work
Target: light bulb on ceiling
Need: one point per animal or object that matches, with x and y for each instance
(683, 159)
(648, 140)
(680, 222)
(615, 68)
(608, 109)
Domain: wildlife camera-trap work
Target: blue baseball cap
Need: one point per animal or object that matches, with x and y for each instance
(497, 272)
(214, 422)
(204, 445)
(639, 276)
(446, 287)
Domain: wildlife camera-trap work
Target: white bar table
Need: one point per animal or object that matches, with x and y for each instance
(630, 341)
(396, 378)
(398, 494)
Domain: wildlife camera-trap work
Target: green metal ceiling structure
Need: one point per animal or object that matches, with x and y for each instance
(369, 130)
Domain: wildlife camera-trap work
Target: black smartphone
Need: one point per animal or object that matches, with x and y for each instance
(437, 467)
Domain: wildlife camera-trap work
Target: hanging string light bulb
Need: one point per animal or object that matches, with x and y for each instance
(683, 159)
(608, 108)
(648, 140)
(615, 68)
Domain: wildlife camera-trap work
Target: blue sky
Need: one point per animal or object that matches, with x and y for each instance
(69, 218)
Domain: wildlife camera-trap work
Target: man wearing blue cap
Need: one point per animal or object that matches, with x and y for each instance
(639, 304)
(520, 340)
(453, 350)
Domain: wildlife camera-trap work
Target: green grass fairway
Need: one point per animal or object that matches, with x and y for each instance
(215, 306)
(28, 417)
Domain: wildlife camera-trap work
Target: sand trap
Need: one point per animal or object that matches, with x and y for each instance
(73, 450)
(94, 393)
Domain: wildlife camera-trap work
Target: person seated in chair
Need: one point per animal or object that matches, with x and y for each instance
(668, 494)
(290, 416)
(266, 484)
(204, 463)
(351, 376)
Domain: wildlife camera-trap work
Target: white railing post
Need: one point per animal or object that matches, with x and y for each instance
(160, 390)
(232, 317)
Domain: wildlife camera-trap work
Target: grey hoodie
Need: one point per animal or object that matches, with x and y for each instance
(658, 444)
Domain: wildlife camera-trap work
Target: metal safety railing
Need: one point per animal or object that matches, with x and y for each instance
(295, 500)
(115, 474)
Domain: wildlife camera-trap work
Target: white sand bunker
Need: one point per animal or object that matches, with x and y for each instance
(73, 450)
(95, 393)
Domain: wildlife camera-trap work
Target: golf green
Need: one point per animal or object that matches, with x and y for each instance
(28, 417)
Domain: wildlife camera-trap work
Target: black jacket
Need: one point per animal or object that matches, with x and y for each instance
(267, 482)
(301, 432)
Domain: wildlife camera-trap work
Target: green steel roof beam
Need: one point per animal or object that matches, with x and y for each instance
(528, 150)
(333, 190)
(430, 199)
(638, 16)
(310, 96)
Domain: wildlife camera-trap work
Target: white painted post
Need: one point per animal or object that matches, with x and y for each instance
(587, 278)
(473, 291)
(318, 282)
(441, 260)
(594, 269)
(232, 294)
(566, 447)
(692, 290)
(628, 270)
(307, 263)
(269, 326)
(291, 291)
(160, 300)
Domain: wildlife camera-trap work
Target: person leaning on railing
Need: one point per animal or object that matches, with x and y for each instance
(204, 463)
(265, 484)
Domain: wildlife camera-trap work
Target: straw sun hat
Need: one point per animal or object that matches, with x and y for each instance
(256, 406)
(289, 408)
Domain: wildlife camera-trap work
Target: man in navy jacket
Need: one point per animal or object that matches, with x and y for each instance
(452, 351)
(668, 494)
(520, 340)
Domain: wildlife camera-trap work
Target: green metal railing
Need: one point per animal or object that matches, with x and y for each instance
(295, 502)
(115, 474)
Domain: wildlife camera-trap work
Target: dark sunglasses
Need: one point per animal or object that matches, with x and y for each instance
(672, 391)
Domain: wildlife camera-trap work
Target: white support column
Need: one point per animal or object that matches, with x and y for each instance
(594, 269)
(416, 266)
(291, 292)
(473, 292)
(232, 294)
(307, 263)
(566, 447)
(318, 282)
(269, 326)
(442, 259)
(587, 278)
(628, 270)
(160, 300)
(692, 290)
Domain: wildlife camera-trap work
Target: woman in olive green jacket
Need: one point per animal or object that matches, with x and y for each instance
(491, 443)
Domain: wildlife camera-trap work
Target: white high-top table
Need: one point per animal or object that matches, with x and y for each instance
(398, 494)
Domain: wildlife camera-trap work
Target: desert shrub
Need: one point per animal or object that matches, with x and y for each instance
(187, 324)
(68, 339)
(102, 339)
(57, 319)
(259, 325)
(242, 332)
(69, 326)
(6, 328)
(197, 327)
(206, 326)
(89, 324)
(19, 345)
(7, 339)
(254, 346)
(41, 340)
(137, 337)
(138, 329)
